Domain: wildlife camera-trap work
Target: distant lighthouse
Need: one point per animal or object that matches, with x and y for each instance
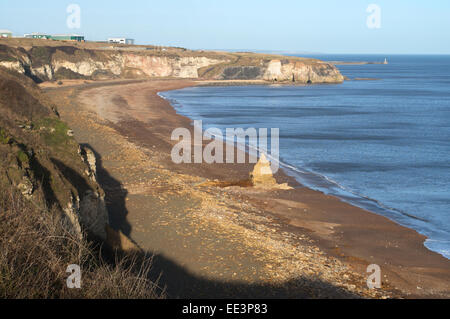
(385, 61)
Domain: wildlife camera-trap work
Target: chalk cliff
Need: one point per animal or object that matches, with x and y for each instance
(44, 63)
(295, 71)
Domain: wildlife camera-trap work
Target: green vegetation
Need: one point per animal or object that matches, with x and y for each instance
(4, 137)
(54, 132)
(22, 157)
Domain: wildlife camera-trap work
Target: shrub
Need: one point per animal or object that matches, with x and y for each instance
(55, 132)
(35, 250)
(22, 157)
(4, 137)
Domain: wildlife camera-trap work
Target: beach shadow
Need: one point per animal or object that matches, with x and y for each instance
(115, 196)
(178, 282)
(175, 281)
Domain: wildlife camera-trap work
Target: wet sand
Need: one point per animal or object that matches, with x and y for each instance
(213, 241)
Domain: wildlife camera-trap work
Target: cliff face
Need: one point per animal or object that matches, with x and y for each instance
(286, 71)
(247, 66)
(44, 63)
(39, 157)
(50, 63)
(319, 72)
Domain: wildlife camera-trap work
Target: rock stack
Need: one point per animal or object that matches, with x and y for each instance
(262, 175)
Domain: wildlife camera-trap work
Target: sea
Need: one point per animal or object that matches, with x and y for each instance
(382, 143)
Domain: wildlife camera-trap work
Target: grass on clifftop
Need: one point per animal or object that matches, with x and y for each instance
(4, 137)
(35, 250)
(54, 131)
(55, 135)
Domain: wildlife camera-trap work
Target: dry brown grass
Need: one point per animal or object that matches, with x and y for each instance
(35, 250)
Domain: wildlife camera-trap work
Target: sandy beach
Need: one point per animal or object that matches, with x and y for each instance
(233, 241)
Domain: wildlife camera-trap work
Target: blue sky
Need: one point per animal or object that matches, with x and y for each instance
(327, 26)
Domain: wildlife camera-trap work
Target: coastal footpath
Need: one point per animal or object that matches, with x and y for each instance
(101, 135)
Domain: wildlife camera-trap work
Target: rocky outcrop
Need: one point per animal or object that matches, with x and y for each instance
(282, 71)
(93, 213)
(262, 175)
(88, 156)
(92, 207)
(294, 71)
(42, 161)
(16, 66)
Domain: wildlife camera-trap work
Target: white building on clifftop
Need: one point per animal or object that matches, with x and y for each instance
(121, 41)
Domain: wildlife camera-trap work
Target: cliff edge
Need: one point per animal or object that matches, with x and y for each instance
(46, 60)
(41, 159)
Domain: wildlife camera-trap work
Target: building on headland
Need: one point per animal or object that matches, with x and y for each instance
(58, 37)
(36, 35)
(68, 37)
(121, 41)
(5, 34)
